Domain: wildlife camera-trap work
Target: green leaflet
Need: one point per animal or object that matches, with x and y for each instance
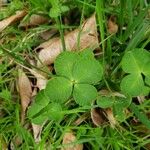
(136, 63)
(84, 94)
(40, 102)
(87, 71)
(64, 64)
(54, 111)
(58, 89)
(132, 84)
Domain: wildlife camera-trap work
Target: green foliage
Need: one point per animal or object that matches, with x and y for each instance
(140, 115)
(118, 104)
(57, 8)
(58, 89)
(76, 74)
(84, 94)
(136, 63)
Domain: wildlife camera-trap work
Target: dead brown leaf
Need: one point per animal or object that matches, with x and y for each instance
(68, 142)
(25, 92)
(52, 48)
(37, 132)
(6, 22)
(98, 117)
(34, 20)
(112, 26)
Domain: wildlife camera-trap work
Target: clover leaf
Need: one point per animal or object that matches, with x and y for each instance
(84, 94)
(58, 89)
(76, 75)
(64, 64)
(40, 102)
(136, 63)
(87, 70)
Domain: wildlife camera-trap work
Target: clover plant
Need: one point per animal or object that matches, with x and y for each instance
(136, 63)
(76, 75)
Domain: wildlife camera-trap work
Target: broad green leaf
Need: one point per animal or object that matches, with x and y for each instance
(132, 85)
(54, 111)
(135, 60)
(87, 71)
(64, 64)
(58, 89)
(84, 94)
(140, 115)
(105, 102)
(39, 103)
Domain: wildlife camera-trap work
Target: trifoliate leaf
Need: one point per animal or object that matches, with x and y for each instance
(58, 89)
(132, 85)
(105, 102)
(135, 60)
(84, 94)
(40, 102)
(64, 64)
(54, 111)
(87, 71)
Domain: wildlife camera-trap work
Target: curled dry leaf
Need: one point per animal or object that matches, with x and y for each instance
(41, 79)
(98, 116)
(34, 20)
(88, 39)
(69, 140)
(110, 117)
(6, 22)
(37, 132)
(112, 26)
(25, 91)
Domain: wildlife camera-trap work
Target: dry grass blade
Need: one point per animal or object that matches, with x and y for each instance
(88, 38)
(25, 91)
(68, 142)
(110, 117)
(6, 22)
(34, 20)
